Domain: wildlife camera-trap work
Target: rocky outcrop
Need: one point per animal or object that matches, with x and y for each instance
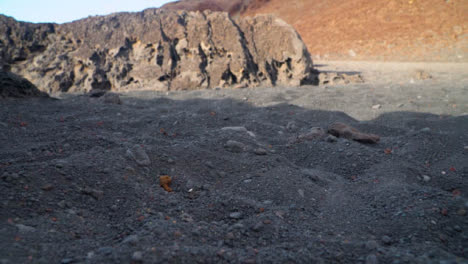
(12, 85)
(233, 7)
(155, 49)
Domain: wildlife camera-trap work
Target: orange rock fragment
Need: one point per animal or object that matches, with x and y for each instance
(165, 181)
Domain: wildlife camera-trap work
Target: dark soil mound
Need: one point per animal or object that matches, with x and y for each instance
(12, 85)
(80, 183)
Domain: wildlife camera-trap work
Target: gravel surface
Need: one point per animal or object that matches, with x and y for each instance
(255, 177)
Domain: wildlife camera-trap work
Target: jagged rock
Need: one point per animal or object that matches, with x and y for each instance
(111, 98)
(333, 78)
(12, 85)
(155, 49)
(343, 130)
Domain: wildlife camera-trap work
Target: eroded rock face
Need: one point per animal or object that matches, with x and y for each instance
(155, 49)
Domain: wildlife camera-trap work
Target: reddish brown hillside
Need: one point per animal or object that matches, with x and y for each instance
(416, 30)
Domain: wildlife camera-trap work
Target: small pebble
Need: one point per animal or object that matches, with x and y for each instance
(376, 107)
(47, 187)
(372, 259)
(371, 244)
(67, 261)
(234, 146)
(257, 227)
(426, 129)
(25, 229)
(461, 212)
(301, 192)
(105, 250)
(331, 139)
(426, 178)
(132, 239)
(443, 237)
(138, 153)
(137, 256)
(62, 204)
(386, 240)
(186, 217)
(291, 126)
(260, 151)
(235, 215)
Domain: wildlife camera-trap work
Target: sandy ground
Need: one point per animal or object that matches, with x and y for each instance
(251, 184)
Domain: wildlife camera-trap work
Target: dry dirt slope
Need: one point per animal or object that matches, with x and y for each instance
(407, 30)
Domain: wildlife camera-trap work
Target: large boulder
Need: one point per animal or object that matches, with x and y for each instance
(157, 50)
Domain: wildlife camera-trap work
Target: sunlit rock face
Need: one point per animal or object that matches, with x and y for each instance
(156, 50)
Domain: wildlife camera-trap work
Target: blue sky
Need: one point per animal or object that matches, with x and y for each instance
(60, 11)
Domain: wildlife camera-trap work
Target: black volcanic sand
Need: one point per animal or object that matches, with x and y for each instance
(73, 193)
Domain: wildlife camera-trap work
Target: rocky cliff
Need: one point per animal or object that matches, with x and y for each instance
(155, 49)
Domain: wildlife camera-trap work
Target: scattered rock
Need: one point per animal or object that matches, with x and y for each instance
(258, 226)
(25, 229)
(260, 151)
(425, 130)
(376, 107)
(138, 153)
(444, 211)
(372, 244)
(292, 126)
(112, 98)
(331, 139)
(461, 212)
(426, 178)
(421, 75)
(239, 129)
(372, 259)
(47, 187)
(62, 204)
(97, 93)
(105, 250)
(314, 133)
(186, 217)
(301, 192)
(96, 194)
(386, 240)
(235, 215)
(132, 240)
(234, 146)
(67, 261)
(348, 132)
(334, 78)
(137, 256)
